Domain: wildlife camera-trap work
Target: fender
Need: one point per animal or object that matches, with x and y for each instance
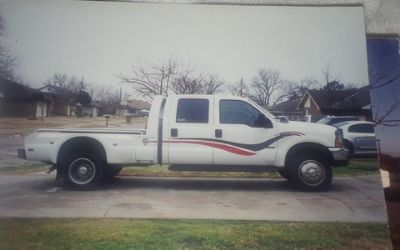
(286, 145)
(61, 146)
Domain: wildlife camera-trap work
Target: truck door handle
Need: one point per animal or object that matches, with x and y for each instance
(174, 132)
(218, 133)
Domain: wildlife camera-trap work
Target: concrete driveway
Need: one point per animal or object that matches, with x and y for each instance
(350, 200)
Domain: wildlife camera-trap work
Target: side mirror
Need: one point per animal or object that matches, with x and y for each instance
(283, 120)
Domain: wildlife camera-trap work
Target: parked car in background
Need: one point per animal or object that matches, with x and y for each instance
(313, 118)
(282, 118)
(359, 137)
(144, 113)
(332, 120)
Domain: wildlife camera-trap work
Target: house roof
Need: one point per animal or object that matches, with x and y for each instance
(60, 94)
(341, 99)
(286, 107)
(138, 104)
(325, 99)
(360, 99)
(95, 104)
(11, 90)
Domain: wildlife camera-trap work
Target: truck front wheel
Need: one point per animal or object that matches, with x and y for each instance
(284, 173)
(82, 171)
(310, 172)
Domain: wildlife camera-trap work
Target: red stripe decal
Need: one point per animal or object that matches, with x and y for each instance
(216, 145)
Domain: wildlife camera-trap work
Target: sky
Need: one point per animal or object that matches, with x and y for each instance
(98, 40)
(384, 58)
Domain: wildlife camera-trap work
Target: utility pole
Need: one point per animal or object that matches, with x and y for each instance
(241, 87)
(120, 101)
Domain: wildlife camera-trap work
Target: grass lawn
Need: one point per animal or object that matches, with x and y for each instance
(188, 234)
(358, 167)
(162, 171)
(355, 168)
(24, 169)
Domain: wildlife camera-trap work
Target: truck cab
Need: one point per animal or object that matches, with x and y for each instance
(218, 130)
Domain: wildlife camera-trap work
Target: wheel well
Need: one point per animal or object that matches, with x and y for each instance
(350, 145)
(82, 144)
(309, 147)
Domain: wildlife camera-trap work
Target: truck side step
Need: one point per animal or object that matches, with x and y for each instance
(222, 168)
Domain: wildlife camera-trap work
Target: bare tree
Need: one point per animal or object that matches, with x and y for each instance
(190, 82)
(296, 90)
(72, 83)
(186, 81)
(7, 61)
(105, 95)
(159, 79)
(211, 84)
(151, 79)
(264, 85)
(240, 88)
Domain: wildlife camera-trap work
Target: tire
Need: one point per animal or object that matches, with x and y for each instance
(82, 171)
(310, 172)
(111, 171)
(284, 173)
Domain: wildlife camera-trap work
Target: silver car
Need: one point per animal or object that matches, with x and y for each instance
(359, 137)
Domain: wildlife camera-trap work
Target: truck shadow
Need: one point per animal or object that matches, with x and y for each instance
(207, 184)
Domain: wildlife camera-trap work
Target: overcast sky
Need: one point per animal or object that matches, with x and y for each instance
(100, 39)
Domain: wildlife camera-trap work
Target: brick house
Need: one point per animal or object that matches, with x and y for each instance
(351, 102)
(289, 109)
(64, 100)
(133, 108)
(17, 100)
(316, 104)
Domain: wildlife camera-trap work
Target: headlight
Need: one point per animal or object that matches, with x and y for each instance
(338, 138)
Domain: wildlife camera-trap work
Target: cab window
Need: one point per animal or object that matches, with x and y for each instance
(192, 111)
(239, 112)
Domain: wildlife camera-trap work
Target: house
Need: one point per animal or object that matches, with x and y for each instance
(350, 102)
(64, 100)
(92, 109)
(17, 100)
(134, 108)
(358, 104)
(289, 109)
(122, 110)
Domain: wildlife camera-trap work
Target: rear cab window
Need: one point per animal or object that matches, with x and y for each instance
(192, 111)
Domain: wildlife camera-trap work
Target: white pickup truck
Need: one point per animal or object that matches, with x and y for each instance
(195, 132)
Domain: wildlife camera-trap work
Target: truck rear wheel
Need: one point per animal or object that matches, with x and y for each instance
(82, 170)
(310, 172)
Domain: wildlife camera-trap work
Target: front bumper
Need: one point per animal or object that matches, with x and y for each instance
(340, 156)
(21, 153)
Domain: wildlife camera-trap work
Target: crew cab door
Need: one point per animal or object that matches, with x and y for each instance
(190, 125)
(246, 135)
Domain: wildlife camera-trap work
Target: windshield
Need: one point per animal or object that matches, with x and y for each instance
(340, 124)
(265, 111)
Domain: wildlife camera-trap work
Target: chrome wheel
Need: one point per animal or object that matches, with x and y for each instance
(82, 171)
(312, 173)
